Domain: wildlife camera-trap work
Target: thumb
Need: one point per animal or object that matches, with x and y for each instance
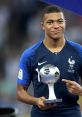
(42, 98)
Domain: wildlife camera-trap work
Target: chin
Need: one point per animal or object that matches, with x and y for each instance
(55, 38)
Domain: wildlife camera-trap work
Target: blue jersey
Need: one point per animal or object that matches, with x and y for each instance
(69, 63)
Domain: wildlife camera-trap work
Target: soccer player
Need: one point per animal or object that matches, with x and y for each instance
(54, 50)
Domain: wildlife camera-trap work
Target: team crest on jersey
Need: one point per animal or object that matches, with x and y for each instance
(20, 74)
(71, 63)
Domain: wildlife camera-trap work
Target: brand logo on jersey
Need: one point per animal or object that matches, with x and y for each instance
(71, 64)
(41, 63)
(20, 74)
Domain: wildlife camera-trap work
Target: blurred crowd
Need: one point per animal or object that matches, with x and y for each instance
(20, 29)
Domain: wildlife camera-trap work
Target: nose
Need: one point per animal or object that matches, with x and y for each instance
(55, 25)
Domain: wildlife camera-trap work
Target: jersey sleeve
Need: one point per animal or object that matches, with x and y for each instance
(81, 72)
(81, 63)
(24, 74)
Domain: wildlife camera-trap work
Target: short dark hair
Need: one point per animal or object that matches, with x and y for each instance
(50, 9)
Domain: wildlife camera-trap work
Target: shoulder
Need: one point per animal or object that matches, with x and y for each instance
(75, 46)
(31, 51)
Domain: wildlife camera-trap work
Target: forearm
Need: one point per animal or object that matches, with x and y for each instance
(25, 97)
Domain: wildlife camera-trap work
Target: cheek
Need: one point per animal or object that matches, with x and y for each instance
(46, 29)
(62, 28)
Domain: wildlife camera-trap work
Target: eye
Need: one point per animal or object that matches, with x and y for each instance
(49, 22)
(60, 21)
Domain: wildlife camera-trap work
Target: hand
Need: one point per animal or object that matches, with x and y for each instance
(42, 105)
(73, 87)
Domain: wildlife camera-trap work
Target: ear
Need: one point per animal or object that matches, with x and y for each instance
(42, 25)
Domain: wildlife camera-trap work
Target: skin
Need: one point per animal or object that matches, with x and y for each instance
(25, 97)
(53, 25)
(73, 87)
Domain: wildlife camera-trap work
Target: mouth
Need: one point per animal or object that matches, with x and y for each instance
(55, 32)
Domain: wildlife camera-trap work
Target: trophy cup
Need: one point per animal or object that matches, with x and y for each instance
(50, 75)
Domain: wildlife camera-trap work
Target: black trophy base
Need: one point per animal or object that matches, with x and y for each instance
(52, 101)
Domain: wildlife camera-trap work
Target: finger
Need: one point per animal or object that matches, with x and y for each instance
(68, 84)
(67, 81)
(49, 106)
(70, 90)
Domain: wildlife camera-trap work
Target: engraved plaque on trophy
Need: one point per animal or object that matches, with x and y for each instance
(50, 75)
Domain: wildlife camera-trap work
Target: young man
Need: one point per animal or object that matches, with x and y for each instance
(56, 51)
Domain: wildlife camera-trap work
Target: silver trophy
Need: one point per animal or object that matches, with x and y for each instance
(50, 75)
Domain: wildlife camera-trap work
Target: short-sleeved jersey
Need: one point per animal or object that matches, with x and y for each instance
(68, 61)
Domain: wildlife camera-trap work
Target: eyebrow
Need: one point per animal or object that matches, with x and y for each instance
(56, 20)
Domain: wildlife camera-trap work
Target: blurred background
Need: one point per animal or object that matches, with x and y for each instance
(20, 29)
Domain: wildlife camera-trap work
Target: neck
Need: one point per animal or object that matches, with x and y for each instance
(54, 44)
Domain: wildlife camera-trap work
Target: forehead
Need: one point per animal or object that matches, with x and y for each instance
(54, 16)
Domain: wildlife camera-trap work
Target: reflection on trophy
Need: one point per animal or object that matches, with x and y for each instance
(50, 75)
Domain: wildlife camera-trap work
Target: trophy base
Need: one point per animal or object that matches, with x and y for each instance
(52, 101)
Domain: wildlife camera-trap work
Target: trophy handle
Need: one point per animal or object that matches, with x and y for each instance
(51, 91)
